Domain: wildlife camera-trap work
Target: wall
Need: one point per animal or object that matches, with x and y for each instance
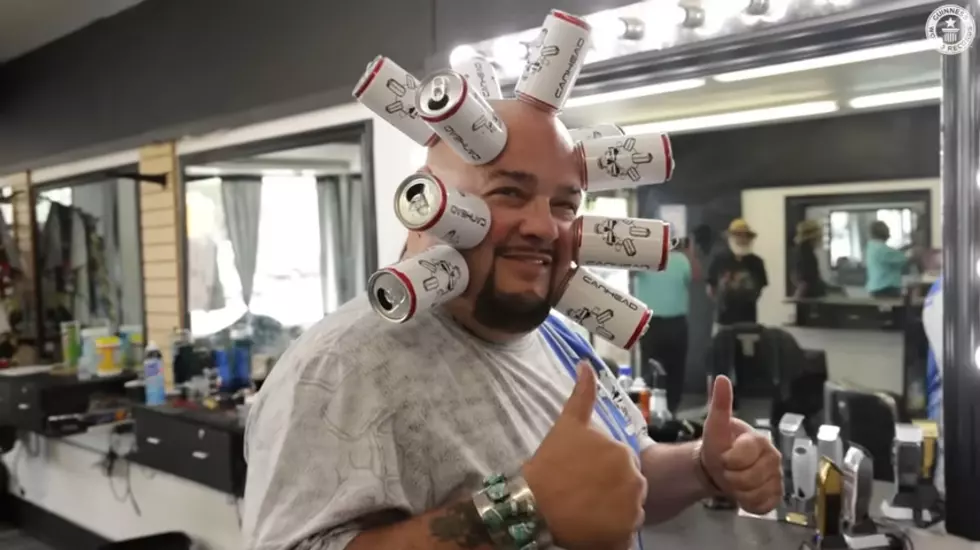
(62, 476)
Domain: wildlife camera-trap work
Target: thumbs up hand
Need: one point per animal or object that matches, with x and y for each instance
(588, 487)
(738, 459)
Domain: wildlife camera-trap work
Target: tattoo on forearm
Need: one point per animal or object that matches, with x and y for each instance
(460, 524)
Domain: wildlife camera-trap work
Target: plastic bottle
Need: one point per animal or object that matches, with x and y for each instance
(156, 385)
(625, 378)
(640, 394)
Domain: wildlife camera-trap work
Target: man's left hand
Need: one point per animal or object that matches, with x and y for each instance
(742, 462)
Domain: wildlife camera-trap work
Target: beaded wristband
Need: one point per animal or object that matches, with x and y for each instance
(510, 515)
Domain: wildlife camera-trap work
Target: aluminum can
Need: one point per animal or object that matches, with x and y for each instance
(424, 203)
(620, 162)
(554, 60)
(624, 243)
(481, 76)
(604, 311)
(461, 116)
(389, 91)
(596, 132)
(420, 283)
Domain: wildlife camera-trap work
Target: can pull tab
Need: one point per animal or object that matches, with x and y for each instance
(439, 97)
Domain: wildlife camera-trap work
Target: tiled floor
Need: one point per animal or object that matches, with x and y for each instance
(12, 539)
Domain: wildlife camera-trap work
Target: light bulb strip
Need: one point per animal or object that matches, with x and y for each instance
(736, 118)
(917, 95)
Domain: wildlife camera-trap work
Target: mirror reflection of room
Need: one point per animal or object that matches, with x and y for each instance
(89, 272)
(806, 225)
(17, 329)
(275, 241)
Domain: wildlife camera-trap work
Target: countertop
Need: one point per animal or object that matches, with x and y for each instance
(698, 527)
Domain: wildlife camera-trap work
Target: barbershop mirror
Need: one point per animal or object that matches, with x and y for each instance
(87, 258)
(839, 143)
(16, 316)
(279, 235)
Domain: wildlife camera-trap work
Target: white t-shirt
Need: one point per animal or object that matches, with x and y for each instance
(361, 416)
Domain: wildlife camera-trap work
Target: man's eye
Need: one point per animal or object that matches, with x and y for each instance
(508, 192)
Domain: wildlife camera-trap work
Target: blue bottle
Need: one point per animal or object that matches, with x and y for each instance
(225, 373)
(156, 384)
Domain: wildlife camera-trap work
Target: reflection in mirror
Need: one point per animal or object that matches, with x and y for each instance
(90, 277)
(275, 241)
(16, 317)
(761, 154)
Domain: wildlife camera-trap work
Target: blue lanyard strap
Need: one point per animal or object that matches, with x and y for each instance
(570, 348)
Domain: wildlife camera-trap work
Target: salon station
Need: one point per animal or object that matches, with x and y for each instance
(187, 188)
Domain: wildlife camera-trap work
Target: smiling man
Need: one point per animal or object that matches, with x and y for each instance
(373, 435)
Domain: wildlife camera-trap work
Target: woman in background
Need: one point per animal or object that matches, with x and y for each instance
(806, 276)
(883, 263)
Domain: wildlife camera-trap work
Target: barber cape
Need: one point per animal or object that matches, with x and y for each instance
(932, 321)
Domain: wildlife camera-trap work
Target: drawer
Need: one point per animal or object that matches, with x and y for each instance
(815, 315)
(185, 449)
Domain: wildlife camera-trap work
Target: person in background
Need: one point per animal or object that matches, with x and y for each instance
(883, 263)
(736, 277)
(805, 273)
(932, 322)
(667, 294)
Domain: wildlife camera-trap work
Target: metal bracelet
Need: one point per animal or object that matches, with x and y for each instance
(509, 512)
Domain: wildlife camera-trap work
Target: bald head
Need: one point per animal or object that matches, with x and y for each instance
(534, 190)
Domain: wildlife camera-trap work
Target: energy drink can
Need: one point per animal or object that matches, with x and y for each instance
(555, 58)
(623, 243)
(424, 203)
(481, 75)
(604, 311)
(461, 117)
(389, 91)
(620, 162)
(420, 283)
(596, 132)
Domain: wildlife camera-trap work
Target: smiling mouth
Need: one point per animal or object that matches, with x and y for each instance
(529, 257)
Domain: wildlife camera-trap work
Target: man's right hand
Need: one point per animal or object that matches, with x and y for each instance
(588, 487)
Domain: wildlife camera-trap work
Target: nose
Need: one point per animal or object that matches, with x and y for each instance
(539, 224)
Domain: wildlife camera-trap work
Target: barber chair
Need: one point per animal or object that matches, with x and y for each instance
(868, 419)
(771, 374)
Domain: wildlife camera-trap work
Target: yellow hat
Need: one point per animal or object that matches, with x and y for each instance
(740, 227)
(808, 230)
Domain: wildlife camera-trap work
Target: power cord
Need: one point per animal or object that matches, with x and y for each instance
(116, 458)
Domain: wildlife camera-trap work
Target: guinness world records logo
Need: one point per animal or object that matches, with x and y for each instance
(953, 29)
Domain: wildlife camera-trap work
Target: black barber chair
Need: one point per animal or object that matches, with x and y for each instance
(867, 418)
(771, 374)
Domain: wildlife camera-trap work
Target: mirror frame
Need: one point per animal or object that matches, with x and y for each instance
(360, 132)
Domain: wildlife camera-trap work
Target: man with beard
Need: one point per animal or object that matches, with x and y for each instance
(372, 435)
(736, 277)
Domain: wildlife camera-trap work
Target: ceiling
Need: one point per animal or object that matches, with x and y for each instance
(913, 71)
(26, 25)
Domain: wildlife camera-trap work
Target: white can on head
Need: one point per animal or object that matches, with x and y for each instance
(420, 283)
(620, 162)
(389, 91)
(461, 117)
(481, 76)
(424, 203)
(596, 132)
(622, 243)
(602, 310)
(555, 58)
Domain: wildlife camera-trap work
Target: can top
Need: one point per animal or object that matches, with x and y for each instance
(390, 296)
(563, 285)
(440, 95)
(420, 201)
(373, 68)
(569, 18)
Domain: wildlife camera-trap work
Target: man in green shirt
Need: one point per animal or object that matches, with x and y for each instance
(667, 294)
